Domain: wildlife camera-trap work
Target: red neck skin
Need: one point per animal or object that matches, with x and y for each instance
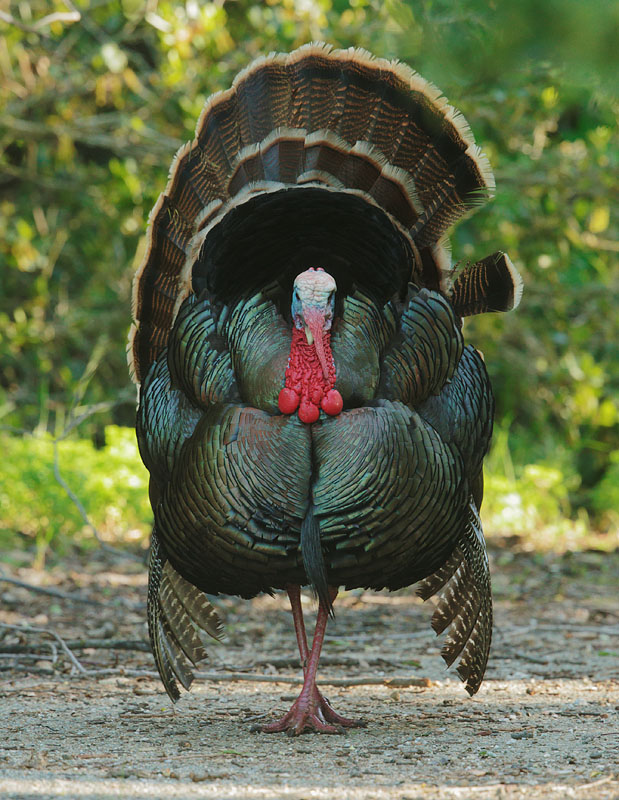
(306, 387)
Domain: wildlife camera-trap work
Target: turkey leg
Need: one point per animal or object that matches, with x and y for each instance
(294, 595)
(310, 711)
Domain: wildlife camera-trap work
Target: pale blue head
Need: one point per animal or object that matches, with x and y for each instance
(313, 302)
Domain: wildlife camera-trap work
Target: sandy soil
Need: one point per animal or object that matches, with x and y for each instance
(544, 724)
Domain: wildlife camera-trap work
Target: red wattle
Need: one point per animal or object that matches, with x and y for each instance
(310, 378)
(288, 401)
(332, 402)
(308, 412)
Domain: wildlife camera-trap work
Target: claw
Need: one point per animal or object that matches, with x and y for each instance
(313, 714)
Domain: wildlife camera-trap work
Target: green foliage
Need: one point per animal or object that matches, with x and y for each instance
(532, 501)
(93, 109)
(111, 483)
(605, 495)
(553, 362)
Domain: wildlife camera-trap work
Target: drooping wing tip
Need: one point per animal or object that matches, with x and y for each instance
(179, 616)
(491, 284)
(464, 606)
(516, 279)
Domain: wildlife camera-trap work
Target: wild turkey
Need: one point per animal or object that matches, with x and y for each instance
(308, 411)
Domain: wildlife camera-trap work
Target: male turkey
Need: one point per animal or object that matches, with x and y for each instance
(308, 411)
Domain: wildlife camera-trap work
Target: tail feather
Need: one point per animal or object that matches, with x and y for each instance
(257, 118)
(289, 156)
(314, 88)
(203, 176)
(282, 156)
(217, 133)
(355, 109)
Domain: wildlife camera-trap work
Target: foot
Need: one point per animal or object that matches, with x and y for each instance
(311, 712)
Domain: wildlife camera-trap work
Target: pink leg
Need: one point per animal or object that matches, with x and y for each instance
(294, 595)
(310, 711)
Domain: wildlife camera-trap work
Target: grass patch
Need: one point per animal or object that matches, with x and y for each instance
(110, 482)
(532, 502)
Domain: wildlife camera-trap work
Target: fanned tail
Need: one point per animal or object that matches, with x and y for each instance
(178, 617)
(399, 163)
(464, 604)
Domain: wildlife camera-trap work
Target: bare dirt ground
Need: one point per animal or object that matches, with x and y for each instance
(95, 723)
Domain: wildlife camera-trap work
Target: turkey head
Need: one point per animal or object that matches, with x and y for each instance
(310, 375)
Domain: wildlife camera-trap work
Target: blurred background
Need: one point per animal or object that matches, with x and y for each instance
(95, 98)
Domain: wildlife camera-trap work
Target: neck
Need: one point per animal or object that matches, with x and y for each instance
(306, 385)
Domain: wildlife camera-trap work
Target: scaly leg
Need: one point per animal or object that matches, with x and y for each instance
(294, 595)
(310, 711)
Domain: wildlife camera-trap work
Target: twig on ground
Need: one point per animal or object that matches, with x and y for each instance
(110, 644)
(75, 598)
(10, 687)
(522, 656)
(32, 654)
(582, 713)
(65, 648)
(599, 782)
(289, 662)
(398, 682)
(231, 677)
(574, 627)
(360, 636)
(84, 644)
